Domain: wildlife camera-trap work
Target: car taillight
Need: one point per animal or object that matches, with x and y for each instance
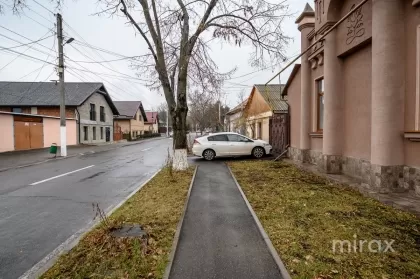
(196, 142)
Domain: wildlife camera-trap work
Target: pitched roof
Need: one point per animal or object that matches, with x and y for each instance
(272, 96)
(48, 93)
(152, 116)
(307, 11)
(239, 107)
(128, 109)
(295, 70)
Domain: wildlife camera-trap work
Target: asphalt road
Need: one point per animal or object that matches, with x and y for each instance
(43, 205)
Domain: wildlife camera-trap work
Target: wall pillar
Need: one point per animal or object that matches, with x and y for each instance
(388, 88)
(333, 107)
(306, 89)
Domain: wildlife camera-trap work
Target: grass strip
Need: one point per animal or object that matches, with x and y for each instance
(303, 214)
(157, 207)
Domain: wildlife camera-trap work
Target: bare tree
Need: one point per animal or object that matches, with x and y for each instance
(178, 34)
(200, 106)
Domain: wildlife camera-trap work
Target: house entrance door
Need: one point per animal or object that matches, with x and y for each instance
(279, 132)
(108, 134)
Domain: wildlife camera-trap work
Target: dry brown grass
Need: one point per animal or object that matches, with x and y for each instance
(303, 213)
(157, 207)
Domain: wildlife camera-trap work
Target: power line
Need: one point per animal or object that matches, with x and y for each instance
(23, 53)
(106, 61)
(41, 69)
(128, 76)
(21, 45)
(37, 69)
(107, 51)
(28, 16)
(44, 7)
(97, 74)
(5, 28)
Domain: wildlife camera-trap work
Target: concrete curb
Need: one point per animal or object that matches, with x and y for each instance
(283, 271)
(178, 230)
(42, 266)
(79, 154)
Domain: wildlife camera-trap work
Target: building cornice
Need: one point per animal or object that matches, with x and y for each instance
(306, 25)
(325, 27)
(311, 34)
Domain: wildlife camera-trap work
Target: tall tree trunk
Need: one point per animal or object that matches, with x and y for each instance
(179, 120)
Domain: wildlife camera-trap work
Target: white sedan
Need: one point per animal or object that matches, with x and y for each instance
(228, 145)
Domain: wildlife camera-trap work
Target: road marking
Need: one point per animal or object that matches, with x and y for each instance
(54, 177)
(147, 149)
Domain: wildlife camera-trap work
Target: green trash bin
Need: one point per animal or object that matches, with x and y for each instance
(53, 149)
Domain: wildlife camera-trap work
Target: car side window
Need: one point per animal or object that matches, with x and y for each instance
(234, 138)
(237, 138)
(244, 139)
(218, 138)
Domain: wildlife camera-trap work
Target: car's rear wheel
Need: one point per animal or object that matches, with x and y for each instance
(258, 152)
(209, 154)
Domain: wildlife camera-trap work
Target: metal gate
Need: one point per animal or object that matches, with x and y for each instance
(279, 132)
(28, 133)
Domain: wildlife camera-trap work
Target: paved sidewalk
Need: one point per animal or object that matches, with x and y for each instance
(219, 237)
(15, 159)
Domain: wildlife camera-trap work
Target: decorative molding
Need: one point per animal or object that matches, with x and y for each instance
(320, 58)
(316, 135)
(311, 34)
(325, 27)
(315, 53)
(313, 62)
(355, 26)
(306, 25)
(412, 136)
(416, 3)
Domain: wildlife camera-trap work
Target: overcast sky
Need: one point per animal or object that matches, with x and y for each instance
(115, 35)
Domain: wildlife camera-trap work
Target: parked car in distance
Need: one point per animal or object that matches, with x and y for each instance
(228, 144)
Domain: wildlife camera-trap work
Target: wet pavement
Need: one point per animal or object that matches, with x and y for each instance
(41, 206)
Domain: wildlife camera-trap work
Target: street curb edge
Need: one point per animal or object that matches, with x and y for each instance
(48, 261)
(178, 230)
(282, 268)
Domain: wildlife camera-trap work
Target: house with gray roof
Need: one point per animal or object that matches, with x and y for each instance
(266, 115)
(131, 118)
(87, 102)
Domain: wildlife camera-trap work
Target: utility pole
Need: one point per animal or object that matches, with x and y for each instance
(63, 136)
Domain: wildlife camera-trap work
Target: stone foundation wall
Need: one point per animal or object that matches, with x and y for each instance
(383, 179)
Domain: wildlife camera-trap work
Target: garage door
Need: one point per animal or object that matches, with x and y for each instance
(28, 134)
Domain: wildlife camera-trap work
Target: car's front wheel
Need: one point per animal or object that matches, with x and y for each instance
(209, 154)
(258, 152)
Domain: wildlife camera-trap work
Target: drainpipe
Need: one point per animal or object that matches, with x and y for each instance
(78, 124)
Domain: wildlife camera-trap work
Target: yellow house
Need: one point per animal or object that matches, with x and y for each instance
(131, 119)
(152, 123)
(263, 103)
